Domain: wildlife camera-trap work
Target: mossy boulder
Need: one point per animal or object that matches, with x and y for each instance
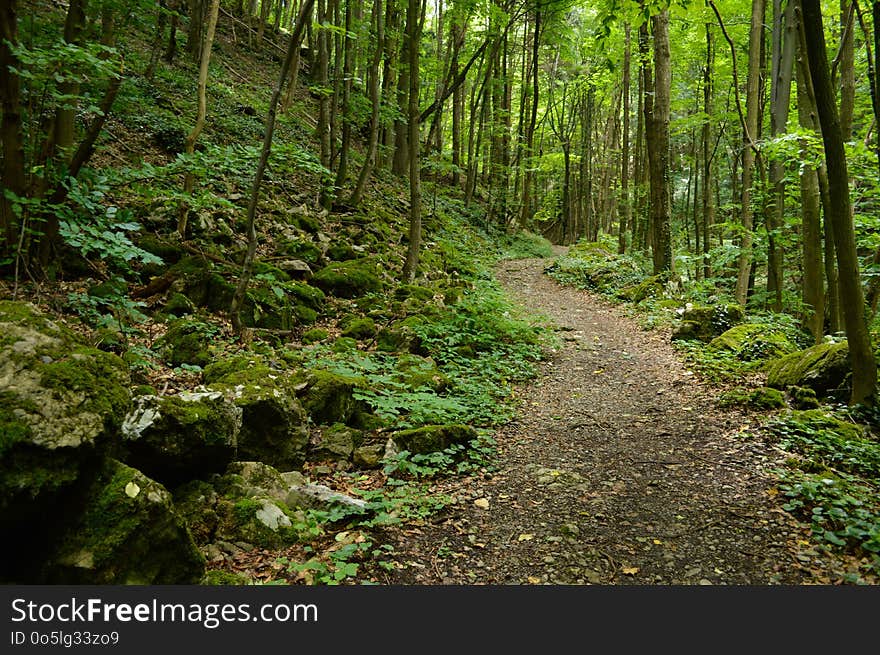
(823, 368)
(274, 426)
(763, 398)
(330, 397)
(368, 456)
(803, 398)
(348, 279)
(705, 322)
(302, 249)
(414, 291)
(341, 252)
(202, 283)
(651, 287)
(416, 372)
(337, 442)
(220, 368)
(433, 438)
(187, 342)
(174, 439)
(344, 345)
(360, 328)
(314, 335)
(178, 305)
(753, 341)
(61, 406)
(246, 503)
(128, 532)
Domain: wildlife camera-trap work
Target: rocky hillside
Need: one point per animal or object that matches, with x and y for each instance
(141, 441)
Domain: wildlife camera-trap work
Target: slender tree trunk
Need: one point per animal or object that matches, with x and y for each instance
(708, 207)
(657, 108)
(192, 137)
(811, 221)
(323, 98)
(248, 264)
(625, 204)
(864, 366)
(528, 178)
(784, 42)
(12, 165)
(375, 104)
(413, 23)
(342, 168)
(194, 34)
(750, 135)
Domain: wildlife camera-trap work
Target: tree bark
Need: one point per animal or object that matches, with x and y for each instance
(12, 166)
(413, 30)
(657, 108)
(750, 135)
(864, 366)
(784, 41)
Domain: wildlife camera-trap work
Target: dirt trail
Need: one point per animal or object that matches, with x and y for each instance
(620, 469)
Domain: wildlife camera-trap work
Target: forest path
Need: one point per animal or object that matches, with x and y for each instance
(619, 469)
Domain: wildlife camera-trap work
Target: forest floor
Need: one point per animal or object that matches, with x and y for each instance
(619, 469)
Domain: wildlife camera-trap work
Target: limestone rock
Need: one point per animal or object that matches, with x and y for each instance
(433, 438)
(178, 438)
(127, 533)
(274, 424)
(822, 368)
(705, 322)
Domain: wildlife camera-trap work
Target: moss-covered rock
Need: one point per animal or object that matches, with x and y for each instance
(651, 287)
(349, 279)
(337, 442)
(763, 398)
(178, 305)
(329, 397)
(359, 328)
(61, 406)
(433, 438)
(341, 252)
(187, 342)
(803, 398)
(174, 439)
(127, 533)
(303, 249)
(417, 372)
(406, 291)
(273, 425)
(368, 456)
(201, 282)
(314, 335)
(705, 322)
(823, 368)
(753, 341)
(220, 368)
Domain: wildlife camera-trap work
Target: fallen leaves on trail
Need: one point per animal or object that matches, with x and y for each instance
(525, 537)
(482, 503)
(630, 570)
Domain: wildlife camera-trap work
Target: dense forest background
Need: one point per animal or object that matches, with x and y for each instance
(222, 192)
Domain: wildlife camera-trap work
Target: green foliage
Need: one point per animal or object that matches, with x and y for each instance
(833, 481)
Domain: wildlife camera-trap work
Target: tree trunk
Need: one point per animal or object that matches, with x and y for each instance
(192, 137)
(375, 104)
(342, 167)
(784, 41)
(750, 135)
(625, 205)
(657, 108)
(323, 127)
(708, 207)
(864, 366)
(248, 264)
(12, 165)
(413, 23)
(811, 222)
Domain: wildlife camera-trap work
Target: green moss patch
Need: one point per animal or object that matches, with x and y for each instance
(822, 368)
